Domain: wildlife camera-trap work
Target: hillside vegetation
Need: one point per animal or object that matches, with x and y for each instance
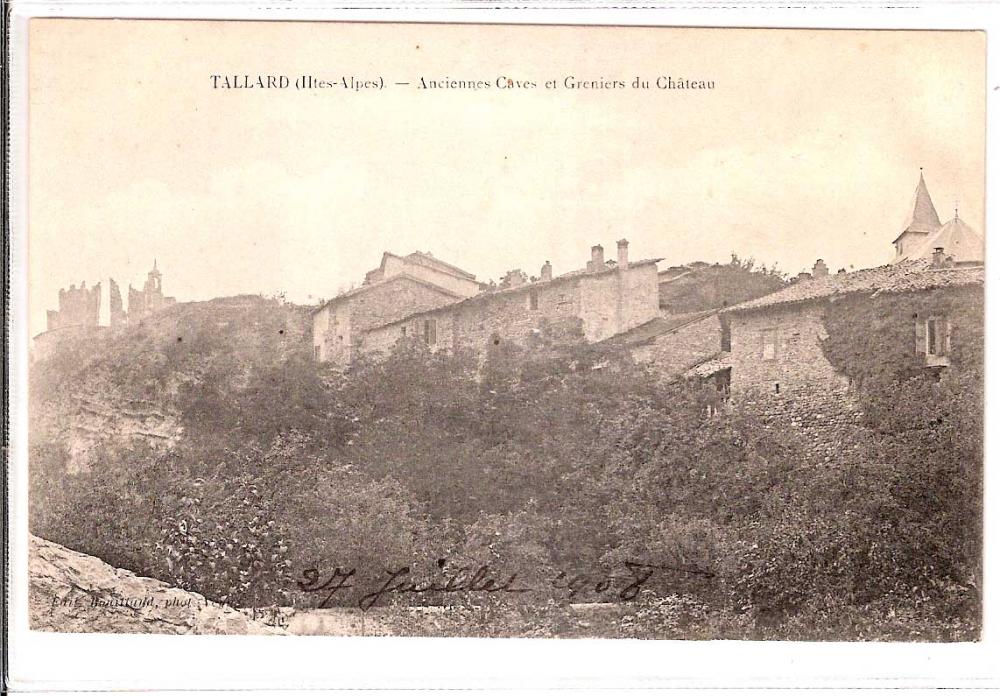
(572, 470)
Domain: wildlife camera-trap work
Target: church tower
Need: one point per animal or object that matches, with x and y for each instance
(923, 222)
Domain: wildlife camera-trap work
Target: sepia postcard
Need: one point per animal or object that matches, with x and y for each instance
(389, 329)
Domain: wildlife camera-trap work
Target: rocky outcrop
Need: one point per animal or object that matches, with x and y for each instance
(75, 593)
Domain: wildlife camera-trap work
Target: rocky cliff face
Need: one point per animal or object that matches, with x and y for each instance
(71, 592)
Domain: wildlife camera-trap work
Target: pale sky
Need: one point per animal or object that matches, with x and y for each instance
(809, 146)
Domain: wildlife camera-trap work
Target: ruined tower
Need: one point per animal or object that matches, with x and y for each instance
(77, 307)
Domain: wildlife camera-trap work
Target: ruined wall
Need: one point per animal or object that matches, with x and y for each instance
(77, 307)
(116, 309)
(674, 352)
(798, 387)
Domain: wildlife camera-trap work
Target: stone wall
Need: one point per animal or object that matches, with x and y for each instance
(603, 304)
(798, 386)
(614, 302)
(477, 322)
(77, 307)
(338, 327)
(676, 351)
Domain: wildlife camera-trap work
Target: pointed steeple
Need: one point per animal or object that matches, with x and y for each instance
(924, 217)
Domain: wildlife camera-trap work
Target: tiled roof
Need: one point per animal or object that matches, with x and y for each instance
(657, 327)
(907, 276)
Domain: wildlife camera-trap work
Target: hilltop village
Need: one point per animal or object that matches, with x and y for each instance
(770, 345)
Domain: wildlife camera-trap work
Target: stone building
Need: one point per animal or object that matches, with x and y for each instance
(592, 304)
(77, 307)
(400, 286)
(142, 303)
(777, 361)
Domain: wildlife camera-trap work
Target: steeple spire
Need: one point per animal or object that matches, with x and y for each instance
(924, 217)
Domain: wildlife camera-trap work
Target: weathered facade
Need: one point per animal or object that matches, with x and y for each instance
(340, 324)
(400, 286)
(605, 299)
(778, 364)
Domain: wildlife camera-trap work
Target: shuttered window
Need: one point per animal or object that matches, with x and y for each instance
(933, 336)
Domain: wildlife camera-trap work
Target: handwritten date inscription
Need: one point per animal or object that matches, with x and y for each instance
(482, 580)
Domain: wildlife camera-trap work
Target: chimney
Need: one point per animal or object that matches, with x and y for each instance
(596, 258)
(937, 258)
(546, 271)
(623, 254)
(820, 269)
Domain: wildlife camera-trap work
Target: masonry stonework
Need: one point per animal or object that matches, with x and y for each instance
(584, 306)
(676, 351)
(780, 372)
(338, 327)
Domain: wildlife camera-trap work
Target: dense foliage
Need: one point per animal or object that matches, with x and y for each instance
(718, 285)
(573, 470)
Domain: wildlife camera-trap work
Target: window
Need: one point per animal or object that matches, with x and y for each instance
(933, 339)
(317, 353)
(769, 344)
(533, 299)
(938, 336)
(430, 331)
(404, 330)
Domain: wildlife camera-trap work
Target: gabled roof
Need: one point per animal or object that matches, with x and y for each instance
(381, 283)
(426, 259)
(907, 276)
(958, 240)
(923, 216)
